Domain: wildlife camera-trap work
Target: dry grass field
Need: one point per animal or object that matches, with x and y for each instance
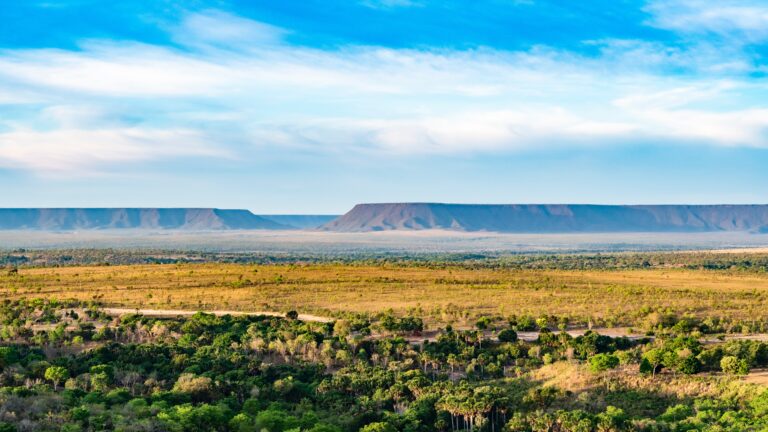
(452, 294)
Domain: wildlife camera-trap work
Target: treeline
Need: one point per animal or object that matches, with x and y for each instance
(743, 262)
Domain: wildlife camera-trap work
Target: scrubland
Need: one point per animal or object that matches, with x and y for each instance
(443, 294)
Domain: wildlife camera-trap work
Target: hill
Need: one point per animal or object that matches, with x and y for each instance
(201, 219)
(552, 218)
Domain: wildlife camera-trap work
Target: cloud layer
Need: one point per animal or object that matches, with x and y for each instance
(233, 87)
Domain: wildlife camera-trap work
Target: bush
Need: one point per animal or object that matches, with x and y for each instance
(197, 387)
(242, 423)
(507, 335)
(646, 368)
(731, 365)
(602, 362)
(378, 427)
(275, 421)
(760, 404)
(677, 413)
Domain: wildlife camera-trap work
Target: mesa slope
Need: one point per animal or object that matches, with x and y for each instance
(552, 218)
(58, 219)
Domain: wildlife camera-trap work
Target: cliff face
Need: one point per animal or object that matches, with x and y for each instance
(57, 219)
(554, 218)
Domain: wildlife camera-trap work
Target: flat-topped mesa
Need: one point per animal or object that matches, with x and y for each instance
(197, 219)
(552, 218)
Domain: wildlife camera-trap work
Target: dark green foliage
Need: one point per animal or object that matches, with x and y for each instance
(602, 362)
(507, 335)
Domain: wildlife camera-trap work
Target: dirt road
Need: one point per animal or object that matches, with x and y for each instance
(176, 313)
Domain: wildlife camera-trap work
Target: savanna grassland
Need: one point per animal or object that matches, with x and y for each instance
(608, 296)
(424, 344)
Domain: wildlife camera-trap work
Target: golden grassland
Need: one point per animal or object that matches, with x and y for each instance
(635, 393)
(444, 294)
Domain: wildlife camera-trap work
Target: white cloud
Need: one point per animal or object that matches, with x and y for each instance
(238, 82)
(453, 133)
(744, 19)
(114, 70)
(482, 131)
(224, 30)
(75, 152)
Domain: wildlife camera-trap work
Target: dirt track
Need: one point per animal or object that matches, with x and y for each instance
(527, 336)
(175, 313)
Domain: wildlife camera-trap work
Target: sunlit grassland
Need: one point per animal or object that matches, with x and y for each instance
(443, 294)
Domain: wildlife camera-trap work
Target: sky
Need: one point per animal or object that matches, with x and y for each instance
(313, 106)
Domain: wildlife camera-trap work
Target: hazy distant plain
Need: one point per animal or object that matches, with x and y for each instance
(316, 242)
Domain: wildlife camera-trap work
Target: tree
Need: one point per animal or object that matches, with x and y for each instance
(292, 315)
(378, 427)
(654, 358)
(342, 328)
(613, 419)
(602, 362)
(56, 374)
(275, 420)
(732, 365)
(196, 386)
(190, 418)
(507, 335)
(542, 397)
(324, 427)
(8, 355)
(242, 423)
(645, 367)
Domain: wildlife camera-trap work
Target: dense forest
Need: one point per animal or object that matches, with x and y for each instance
(68, 366)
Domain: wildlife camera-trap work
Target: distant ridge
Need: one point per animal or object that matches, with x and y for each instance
(200, 219)
(552, 218)
(301, 221)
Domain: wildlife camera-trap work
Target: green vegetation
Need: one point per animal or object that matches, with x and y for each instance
(482, 344)
(736, 261)
(68, 366)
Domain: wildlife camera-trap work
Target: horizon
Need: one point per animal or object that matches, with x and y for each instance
(258, 213)
(290, 109)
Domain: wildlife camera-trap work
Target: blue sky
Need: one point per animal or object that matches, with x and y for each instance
(313, 106)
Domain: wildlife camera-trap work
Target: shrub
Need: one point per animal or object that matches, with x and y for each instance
(196, 386)
(677, 413)
(378, 427)
(760, 404)
(507, 335)
(602, 362)
(732, 365)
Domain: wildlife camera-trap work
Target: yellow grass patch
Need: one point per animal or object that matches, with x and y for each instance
(445, 294)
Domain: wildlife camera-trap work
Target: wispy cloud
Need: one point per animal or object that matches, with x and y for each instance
(742, 19)
(214, 28)
(237, 78)
(387, 4)
(82, 152)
